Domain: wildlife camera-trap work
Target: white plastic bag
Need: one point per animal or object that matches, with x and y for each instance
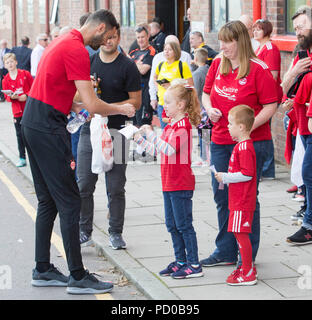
(296, 166)
(102, 145)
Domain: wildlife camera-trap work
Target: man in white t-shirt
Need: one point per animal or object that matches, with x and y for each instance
(185, 57)
(42, 43)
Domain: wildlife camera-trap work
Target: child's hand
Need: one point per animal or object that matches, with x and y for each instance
(146, 128)
(219, 176)
(166, 120)
(14, 96)
(137, 136)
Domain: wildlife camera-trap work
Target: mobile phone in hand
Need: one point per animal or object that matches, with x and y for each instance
(302, 54)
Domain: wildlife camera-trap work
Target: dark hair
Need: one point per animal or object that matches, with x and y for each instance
(158, 20)
(140, 29)
(84, 18)
(303, 10)
(103, 16)
(25, 41)
(265, 25)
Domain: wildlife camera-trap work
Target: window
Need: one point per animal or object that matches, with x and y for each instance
(127, 13)
(20, 11)
(42, 11)
(223, 11)
(97, 5)
(291, 8)
(54, 13)
(30, 11)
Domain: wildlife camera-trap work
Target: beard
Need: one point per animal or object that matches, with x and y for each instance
(97, 41)
(305, 42)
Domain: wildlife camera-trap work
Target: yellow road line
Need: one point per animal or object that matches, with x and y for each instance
(56, 240)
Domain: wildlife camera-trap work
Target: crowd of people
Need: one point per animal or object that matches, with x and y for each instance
(229, 97)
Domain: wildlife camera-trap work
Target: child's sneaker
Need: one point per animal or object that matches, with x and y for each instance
(239, 279)
(172, 267)
(187, 271)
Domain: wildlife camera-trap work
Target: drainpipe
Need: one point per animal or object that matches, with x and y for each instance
(14, 31)
(86, 6)
(47, 17)
(256, 5)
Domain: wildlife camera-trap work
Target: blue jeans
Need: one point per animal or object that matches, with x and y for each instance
(226, 245)
(268, 170)
(307, 179)
(159, 114)
(179, 217)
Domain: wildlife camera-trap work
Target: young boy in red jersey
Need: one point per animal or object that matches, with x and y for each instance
(19, 82)
(242, 180)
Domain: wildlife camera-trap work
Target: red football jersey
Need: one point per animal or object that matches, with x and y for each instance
(176, 172)
(271, 55)
(22, 84)
(303, 96)
(65, 60)
(242, 195)
(226, 92)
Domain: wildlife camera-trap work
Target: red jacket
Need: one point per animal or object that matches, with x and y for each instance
(22, 83)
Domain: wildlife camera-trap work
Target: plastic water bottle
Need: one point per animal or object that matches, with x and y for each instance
(74, 125)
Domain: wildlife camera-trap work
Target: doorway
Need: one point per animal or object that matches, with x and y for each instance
(173, 14)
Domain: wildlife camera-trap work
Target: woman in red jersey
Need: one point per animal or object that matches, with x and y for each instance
(236, 77)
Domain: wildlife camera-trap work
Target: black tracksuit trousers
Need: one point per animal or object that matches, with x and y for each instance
(50, 159)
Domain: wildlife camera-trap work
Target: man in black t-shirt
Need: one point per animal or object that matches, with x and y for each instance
(143, 57)
(120, 81)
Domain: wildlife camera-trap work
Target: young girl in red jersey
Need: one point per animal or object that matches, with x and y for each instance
(19, 82)
(242, 180)
(178, 181)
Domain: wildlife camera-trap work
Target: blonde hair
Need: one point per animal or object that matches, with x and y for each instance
(201, 54)
(184, 92)
(8, 56)
(237, 31)
(176, 49)
(243, 114)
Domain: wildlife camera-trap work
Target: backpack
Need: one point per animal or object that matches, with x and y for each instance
(180, 68)
(294, 88)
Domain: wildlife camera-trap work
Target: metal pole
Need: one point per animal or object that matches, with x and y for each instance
(47, 17)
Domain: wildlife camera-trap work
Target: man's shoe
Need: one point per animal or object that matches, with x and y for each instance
(21, 163)
(187, 271)
(301, 237)
(212, 262)
(299, 215)
(85, 240)
(238, 278)
(116, 241)
(51, 278)
(172, 267)
(89, 284)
